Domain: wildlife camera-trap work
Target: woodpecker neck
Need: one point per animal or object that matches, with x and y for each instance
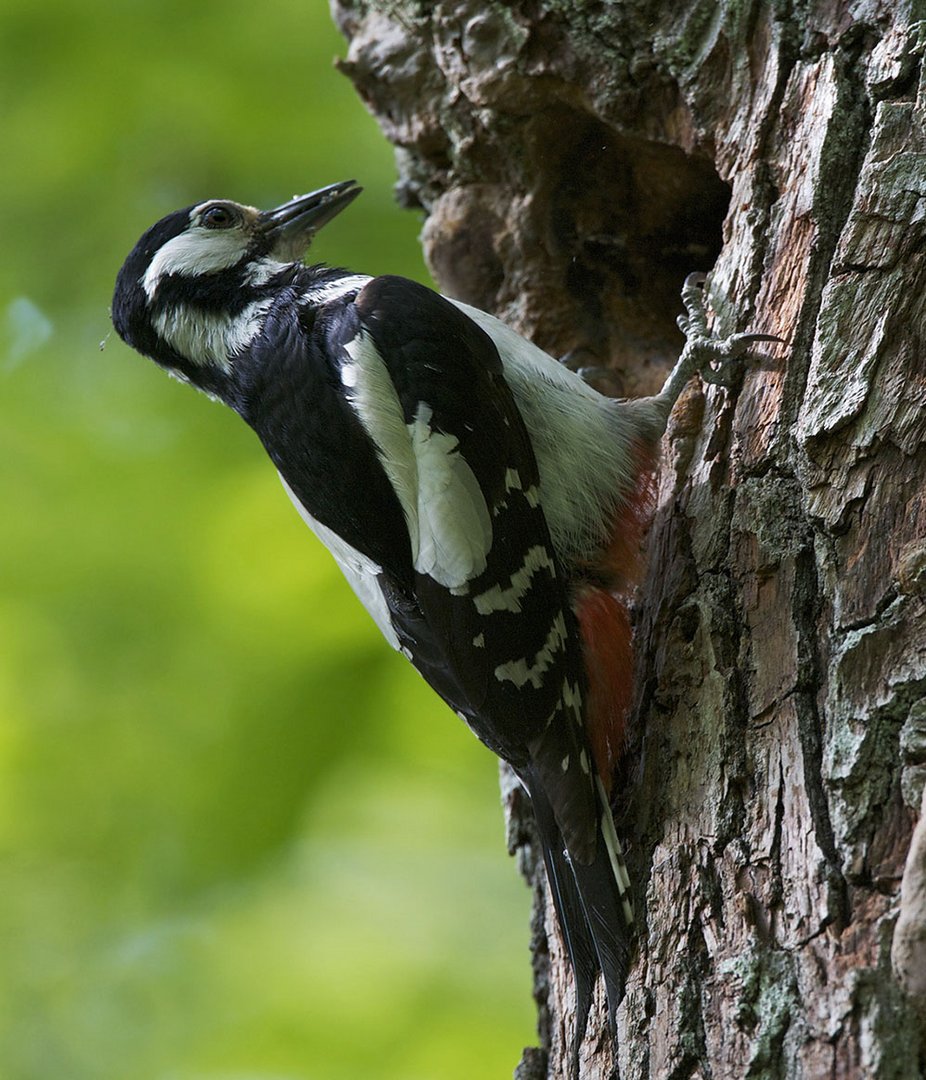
(201, 328)
(210, 320)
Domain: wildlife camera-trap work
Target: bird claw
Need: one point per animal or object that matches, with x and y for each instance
(714, 358)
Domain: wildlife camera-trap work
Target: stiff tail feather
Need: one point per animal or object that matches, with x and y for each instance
(593, 908)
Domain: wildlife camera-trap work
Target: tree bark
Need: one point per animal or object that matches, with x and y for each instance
(576, 160)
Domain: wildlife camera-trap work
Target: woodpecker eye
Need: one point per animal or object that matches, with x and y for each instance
(219, 217)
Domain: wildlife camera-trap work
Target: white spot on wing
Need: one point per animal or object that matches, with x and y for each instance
(520, 672)
(513, 483)
(499, 599)
(349, 374)
(581, 440)
(572, 696)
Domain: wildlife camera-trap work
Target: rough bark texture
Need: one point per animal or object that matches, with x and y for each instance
(575, 160)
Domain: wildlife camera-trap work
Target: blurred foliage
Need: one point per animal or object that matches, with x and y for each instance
(240, 837)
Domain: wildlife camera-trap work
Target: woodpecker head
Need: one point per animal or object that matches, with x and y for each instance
(196, 287)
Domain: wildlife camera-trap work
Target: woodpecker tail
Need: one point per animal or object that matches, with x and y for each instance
(593, 907)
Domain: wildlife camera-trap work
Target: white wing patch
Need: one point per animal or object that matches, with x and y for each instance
(371, 394)
(206, 337)
(445, 511)
(454, 527)
(361, 572)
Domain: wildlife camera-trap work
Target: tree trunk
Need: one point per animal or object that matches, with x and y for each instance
(576, 160)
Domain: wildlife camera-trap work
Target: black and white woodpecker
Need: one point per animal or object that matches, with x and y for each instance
(481, 499)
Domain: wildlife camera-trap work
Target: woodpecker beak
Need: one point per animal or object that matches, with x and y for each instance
(291, 226)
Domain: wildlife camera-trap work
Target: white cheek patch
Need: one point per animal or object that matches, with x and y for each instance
(204, 337)
(194, 252)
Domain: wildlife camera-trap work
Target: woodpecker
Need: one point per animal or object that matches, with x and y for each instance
(481, 499)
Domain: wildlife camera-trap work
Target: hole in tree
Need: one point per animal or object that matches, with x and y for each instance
(627, 220)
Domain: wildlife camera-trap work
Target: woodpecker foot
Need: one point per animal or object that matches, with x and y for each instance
(715, 358)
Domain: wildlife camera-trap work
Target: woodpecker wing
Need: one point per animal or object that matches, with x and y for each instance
(489, 624)
(483, 613)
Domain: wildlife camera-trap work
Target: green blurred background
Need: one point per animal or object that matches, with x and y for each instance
(240, 838)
